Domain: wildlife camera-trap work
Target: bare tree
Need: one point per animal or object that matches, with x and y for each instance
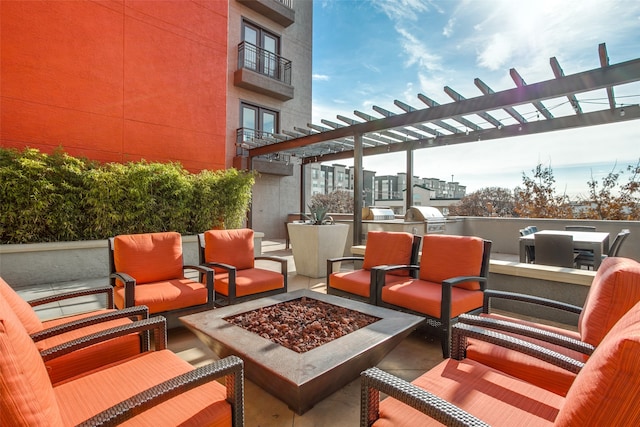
(338, 201)
(490, 201)
(538, 199)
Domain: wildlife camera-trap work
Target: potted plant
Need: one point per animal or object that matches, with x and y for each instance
(316, 240)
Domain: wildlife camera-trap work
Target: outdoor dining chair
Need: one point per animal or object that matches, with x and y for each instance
(58, 331)
(462, 391)
(237, 278)
(156, 388)
(555, 250)
(614, 291)
(587, 258)
(382, 248)
(148, 269)
(452, 277)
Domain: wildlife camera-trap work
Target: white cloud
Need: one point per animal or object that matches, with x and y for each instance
(418, 52)
(320, 77)
(447, 31)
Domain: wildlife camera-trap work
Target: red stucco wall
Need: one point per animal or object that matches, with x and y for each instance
(116, 80)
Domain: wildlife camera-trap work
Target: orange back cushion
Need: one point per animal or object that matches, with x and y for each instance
(21, 308)
(614, 290)
(605, 392)
(388, 248)
(233, 247)
(26, 394)
(149, 257)
(444, 257)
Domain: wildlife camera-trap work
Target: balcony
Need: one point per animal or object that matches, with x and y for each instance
(279, 11)
(264, 72)
(273, 164)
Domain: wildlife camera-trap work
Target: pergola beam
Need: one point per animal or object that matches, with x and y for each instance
(519, 81)
(486, 90)
(557, 71)
(484, 115)
(599, 78)
(604, 62)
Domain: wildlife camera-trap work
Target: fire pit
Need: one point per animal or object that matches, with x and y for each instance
(301, 379)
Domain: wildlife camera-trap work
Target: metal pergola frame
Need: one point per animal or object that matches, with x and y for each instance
(446, 124)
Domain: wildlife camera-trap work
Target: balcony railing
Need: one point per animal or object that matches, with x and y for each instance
(264, 62)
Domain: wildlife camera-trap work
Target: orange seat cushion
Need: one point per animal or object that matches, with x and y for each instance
(426, 297)
(606, 390)
(165, 295)
(91, 357)
(21, 308)
(250, 281)
(388, 248)
(149, 257)
(615, 289)
(445, 257)
(357, 282)
(91, 394)
(495, 398)
(528, 368)
(232, 247)
(26, 395)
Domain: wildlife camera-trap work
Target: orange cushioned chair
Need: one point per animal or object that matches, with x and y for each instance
(452, 278)
(383, 248)
(50, 333)
(614, 290)
(155, 388)
(465, 392)
(147, 269)
(231, 254)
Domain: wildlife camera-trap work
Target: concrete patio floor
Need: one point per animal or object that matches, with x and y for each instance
(412, 357)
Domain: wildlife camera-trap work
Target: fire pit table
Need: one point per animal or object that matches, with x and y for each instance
(301, 379)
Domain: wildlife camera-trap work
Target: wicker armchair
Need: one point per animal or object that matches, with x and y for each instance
(231, 255)
(464, 392)
(452, 278)
(615, 289)
(57, 331)
(155, 388)
(383, 248)
(147, 269)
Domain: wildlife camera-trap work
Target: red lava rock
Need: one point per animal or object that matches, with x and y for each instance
(302, 324)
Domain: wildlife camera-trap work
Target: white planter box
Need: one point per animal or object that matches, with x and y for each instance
(312, 245)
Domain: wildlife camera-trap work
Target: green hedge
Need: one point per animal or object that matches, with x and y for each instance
(57, 197)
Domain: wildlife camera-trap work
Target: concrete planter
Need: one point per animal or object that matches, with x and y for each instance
(312, 245)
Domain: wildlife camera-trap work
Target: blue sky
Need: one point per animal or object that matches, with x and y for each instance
(372, 52)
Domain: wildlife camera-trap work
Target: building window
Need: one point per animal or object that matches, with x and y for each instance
(263, 58)
(257, 121)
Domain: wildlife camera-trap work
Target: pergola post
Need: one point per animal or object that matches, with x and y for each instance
(409, 191)
(358, 180)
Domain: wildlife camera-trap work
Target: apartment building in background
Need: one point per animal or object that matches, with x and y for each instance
(162, 81)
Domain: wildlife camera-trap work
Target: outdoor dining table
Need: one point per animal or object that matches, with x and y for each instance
(595, 241)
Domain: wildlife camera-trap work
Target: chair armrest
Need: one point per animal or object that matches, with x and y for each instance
(463, 279)
(379, 272)
(200, 268)
(158, 325)
(283, 262)
(231, 368)
(123, 277)
(140, 312)
(227, 267)
(461, 332)
(108, 290)
(527, 331)
(374, 381)
(332, 261)
(489, 294)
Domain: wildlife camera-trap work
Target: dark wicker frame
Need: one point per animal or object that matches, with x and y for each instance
(442, 324)
(231, 368)
(415, 248)
(374, 380)
(134, 313)
(172, 316)
(232, 299)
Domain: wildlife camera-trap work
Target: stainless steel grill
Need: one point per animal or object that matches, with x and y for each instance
(378, 213)
(432, 216)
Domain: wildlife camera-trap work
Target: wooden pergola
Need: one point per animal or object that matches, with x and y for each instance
(435, 125)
